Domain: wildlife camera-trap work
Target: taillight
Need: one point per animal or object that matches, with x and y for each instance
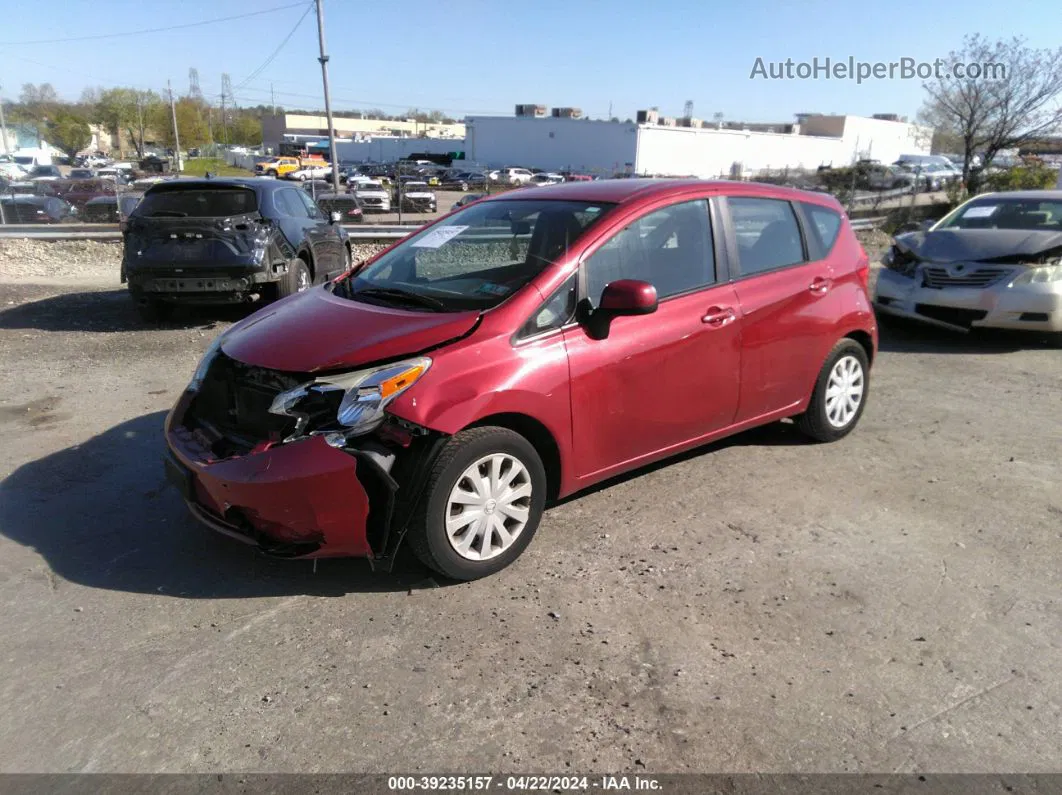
(355, 211)
(863, 271)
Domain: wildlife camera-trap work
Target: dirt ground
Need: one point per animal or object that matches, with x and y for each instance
(887, 603)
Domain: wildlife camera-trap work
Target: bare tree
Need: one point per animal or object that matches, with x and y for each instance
(1012, 101)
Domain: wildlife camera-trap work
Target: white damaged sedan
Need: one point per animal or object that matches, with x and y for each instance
(993, 262)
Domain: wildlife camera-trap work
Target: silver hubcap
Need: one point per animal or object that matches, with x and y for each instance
(304, 280)
(844, 391)
(488, 507)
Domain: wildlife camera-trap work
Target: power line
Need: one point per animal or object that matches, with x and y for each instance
(150, 30)
(275, 52)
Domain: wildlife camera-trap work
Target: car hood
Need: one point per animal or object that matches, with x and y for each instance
(317, 331)
(979, 245)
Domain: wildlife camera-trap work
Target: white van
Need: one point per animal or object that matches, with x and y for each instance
(29, 159)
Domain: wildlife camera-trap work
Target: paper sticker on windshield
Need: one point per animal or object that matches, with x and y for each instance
(980, 212)
(436, 237)
(493, 289)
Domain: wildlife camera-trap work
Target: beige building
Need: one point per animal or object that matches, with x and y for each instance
(274, 128)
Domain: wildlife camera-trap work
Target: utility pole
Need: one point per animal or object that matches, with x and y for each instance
(176, 137)
(327, 96)
(273, 99)
(3, 125)
(226, 94)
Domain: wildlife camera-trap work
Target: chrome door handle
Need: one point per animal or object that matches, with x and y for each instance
(717, 316)
(819, 286)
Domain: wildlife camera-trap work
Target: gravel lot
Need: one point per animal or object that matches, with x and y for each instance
(888, 603)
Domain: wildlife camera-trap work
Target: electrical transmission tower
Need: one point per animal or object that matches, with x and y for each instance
(687, 111)
(226, 95)
(194, 91)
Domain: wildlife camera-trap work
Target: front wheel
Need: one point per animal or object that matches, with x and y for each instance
(271, 173)
(482, 504)
(840, 393)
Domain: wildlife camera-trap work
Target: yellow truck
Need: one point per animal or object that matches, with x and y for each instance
(277, 166)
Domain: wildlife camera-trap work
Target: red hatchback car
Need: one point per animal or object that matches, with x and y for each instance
(518, 350)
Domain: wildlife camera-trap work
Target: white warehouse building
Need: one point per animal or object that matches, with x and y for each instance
(660, 146)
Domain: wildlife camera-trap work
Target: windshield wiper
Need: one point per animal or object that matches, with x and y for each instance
(403, 296)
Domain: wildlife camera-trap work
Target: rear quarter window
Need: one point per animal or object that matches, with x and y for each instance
(825, 225)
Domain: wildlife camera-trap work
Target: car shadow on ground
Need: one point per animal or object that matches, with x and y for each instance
(897, 335)
(109, 311)
(101, 514)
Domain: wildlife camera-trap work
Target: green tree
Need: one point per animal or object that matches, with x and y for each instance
(246, 130)
(69, 132)
(37, 101)
(191, 123)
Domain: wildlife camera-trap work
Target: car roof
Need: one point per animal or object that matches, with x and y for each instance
(1028, 195)
(623, 190)
(256, 184)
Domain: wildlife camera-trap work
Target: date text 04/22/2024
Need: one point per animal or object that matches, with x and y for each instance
(618, 783)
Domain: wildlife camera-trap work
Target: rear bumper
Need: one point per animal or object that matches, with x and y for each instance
(193, 283)
(298, 500)
(1035, 307)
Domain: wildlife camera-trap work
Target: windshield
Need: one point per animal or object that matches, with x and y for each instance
(25, 161)
(477, 258)
(219, 202)
(997, 212)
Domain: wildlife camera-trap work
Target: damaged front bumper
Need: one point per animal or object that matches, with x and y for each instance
(301, 499)
(999, 305)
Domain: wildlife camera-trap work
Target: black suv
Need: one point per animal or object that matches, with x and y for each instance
(211, 241)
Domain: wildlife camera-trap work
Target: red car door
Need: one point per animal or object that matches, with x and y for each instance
(661, 380)
(781, 295)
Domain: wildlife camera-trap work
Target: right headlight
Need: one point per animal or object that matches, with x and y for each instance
(1043, 274)
(365, 395)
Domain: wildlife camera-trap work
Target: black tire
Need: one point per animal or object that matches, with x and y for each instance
(271, 173)
(815, 422)
(296, 280)
(427, 534)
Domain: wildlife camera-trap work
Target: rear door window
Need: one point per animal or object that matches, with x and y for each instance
(766, 232)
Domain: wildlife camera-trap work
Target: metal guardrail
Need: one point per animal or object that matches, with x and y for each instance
(104, 232)
(863, 224)
(879, 196)
(359, 232)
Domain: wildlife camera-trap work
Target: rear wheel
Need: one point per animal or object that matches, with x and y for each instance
(482, 504)
(297, 280)
(840, 394)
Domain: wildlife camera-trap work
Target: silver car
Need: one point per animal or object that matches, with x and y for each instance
(993, 262)
(374, 197)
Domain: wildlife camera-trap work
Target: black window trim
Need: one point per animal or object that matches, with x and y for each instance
(736, 274)
(719, 249)
(573, 280)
